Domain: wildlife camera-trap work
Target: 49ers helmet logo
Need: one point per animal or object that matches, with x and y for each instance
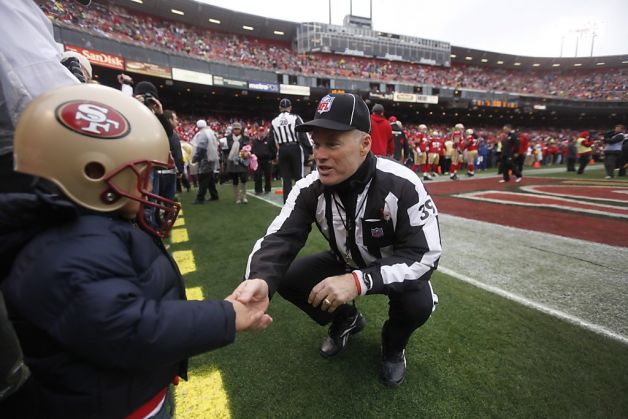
(93, 119)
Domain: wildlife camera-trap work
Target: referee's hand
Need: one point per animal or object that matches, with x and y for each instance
(333, 291)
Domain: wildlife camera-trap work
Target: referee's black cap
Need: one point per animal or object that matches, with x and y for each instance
(285, 104)
(340, 112)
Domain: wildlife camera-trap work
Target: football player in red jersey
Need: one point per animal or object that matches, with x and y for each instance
(471, 147)
(435, 149)
(456, 155)
(420, 150)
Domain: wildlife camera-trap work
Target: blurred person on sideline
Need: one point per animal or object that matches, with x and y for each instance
(383, 234)
(96, 300)
(186, 153)
(613, 144)
(264, 148)
(207, 158)
(509, 155)
(383, 142)
(237, 167)
(572, 155)
(457, 150)
(168, 177)
(402, 151)
(292, 146)
(584, 151)
(524, 144)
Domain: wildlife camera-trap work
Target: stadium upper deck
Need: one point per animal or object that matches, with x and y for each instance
(270, 51)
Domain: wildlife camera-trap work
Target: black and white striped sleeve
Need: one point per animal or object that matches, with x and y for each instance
(272, 254)
(417, 244)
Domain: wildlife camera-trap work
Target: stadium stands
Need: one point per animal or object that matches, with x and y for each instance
(175, 37)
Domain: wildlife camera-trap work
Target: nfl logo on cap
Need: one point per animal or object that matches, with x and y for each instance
(377, 232)
(325, 104)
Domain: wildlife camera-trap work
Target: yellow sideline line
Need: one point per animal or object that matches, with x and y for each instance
(179, 235)
(204, 395)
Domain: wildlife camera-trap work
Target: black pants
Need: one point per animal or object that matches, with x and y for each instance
(507, 165)
(584, 161)
(167, 185)
(207, 181)
(520, 160)
(610, 162)
(290, 166)
(407, 310)
(571, 164)
(239, 177)
(263, 172)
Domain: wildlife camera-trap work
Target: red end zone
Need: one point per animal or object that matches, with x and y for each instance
(593, 211)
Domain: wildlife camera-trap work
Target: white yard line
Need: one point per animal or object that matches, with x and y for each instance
(580, 281)
(537, 306)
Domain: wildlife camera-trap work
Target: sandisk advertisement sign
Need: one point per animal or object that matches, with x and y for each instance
(99, 58)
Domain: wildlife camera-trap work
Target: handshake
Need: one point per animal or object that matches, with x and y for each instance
(250, 302)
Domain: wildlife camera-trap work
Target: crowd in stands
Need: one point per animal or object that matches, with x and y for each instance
(175, 37)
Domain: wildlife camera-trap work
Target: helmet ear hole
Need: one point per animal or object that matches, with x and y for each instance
(94, 170)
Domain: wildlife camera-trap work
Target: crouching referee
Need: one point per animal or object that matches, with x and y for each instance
(382, 230)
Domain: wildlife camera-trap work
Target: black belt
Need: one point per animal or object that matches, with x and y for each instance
(289, 143)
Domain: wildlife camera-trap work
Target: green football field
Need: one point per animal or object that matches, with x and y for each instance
(479, 355)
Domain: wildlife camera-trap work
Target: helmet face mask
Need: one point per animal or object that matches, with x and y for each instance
(156, 214)
(100, 147)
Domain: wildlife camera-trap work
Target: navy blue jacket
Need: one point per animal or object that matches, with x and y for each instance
(99, 308)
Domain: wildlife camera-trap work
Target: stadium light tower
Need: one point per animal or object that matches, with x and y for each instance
(579, 33)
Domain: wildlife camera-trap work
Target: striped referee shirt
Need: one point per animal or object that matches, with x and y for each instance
(385, 229)
(284, 128)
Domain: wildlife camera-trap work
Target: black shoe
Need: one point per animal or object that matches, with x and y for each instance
(339, 333)
(394, 369)
(213, 199)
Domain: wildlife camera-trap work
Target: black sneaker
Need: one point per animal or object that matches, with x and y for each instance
(394, 369)
(339, 333)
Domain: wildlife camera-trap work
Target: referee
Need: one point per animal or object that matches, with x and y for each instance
(382, 230)
(289, 143)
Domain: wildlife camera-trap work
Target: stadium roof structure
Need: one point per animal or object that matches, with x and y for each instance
(214, 18)
(461, 55)
(226, 20)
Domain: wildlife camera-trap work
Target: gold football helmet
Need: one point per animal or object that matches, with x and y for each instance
(100, 147)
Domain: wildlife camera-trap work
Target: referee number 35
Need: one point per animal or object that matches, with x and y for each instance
(427, 209)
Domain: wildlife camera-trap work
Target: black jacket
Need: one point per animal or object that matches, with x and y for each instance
(510, 146)
(381, 222)
(264, 149)
(233, 167)
(401, 142)
(175, 150)
(97, 305)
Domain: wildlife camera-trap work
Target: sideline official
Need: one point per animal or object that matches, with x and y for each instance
(290, 145)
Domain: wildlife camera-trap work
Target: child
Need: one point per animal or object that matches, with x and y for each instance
(98, 304)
